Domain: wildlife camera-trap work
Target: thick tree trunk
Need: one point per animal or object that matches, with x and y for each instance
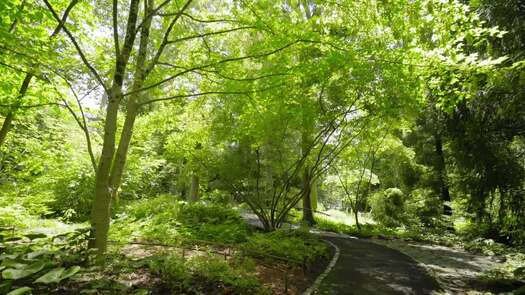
(100, 211)
(314, 194)
(194, 188)
(101, 208)
(132, 106)
(122, 151)
(5, 127)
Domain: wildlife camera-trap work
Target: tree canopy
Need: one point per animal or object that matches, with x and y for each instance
(408, 113)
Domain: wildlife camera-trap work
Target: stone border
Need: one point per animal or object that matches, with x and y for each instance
(320, 278)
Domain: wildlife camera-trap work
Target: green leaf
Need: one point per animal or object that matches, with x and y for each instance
(52, 276)
(141, 292)
(16, 274)
(13, 263)
(20, 291)
(70, 272)
(35, 254)
(36, 267)
(9, 256)
(33, 236)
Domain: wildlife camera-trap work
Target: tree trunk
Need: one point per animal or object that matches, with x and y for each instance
(122, 151)
(100, 211)
(132, 106)
(5, 127)
(194, 188)
(101, 208)
(356, 216)
(314, 194)
(442, 174)
(8, 121)
(308, 216)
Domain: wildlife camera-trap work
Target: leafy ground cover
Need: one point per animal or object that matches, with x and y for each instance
(40, 262)
(163, 245)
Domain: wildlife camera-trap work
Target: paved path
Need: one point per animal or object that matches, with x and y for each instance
(368, 268)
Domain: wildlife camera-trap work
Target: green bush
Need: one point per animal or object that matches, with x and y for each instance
(299, 246)
(74, 191)
(167, 219)
(388, 207)
(146, 175)
(208, 213)
(200, 274)
(218, 197)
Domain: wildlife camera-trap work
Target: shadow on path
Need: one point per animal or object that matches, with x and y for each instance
(368, 268)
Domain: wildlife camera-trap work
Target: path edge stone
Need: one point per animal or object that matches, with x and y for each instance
(321, 277)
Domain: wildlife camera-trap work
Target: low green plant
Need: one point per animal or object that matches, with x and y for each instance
(388, 207)
(296, 245)
(167, 219)
(73, 193)
(36, 261)
(202, 274)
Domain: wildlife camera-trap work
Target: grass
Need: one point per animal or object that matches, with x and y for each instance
(343, 217)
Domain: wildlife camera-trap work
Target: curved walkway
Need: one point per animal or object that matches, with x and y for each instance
(368, 268)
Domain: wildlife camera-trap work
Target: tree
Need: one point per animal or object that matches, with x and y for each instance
(158, 25)
(22, 19)
(354, 172)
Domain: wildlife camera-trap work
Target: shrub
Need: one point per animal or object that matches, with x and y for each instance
(146, 176)
(74, 190)
(425, 207)
(299, 246)
(202, 273)
(167, 219)
(388, 207)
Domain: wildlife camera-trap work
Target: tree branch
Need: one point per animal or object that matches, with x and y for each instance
(203, 94)
(218, 73)
(82, 124)
(17, 106)
(115, 28)
(23, 71)
(164, 42)
(77, 46)
(152, 14)
(64, 18)
(233, 59)
(210, 34)
(206, 20)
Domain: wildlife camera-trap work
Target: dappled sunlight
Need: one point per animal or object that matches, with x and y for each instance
(456, 269)
(344, 217)
(232, 147)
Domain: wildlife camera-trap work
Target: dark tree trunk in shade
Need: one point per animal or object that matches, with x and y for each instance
(442, 174)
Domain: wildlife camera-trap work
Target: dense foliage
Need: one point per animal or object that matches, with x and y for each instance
(173, 122)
